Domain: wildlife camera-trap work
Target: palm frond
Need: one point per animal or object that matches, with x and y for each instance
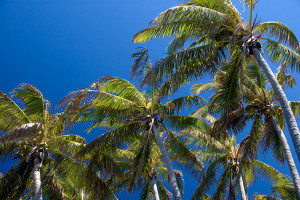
(121, 88)
(209, 178)
(280, 31)
(164, 194)
(141, 163)
(201, 139)
(283, 78)
(113, 138)
(11, 114)
(141, 63)
(284, 187)
(270, 139)
(33, 100)
(233, 121)
(184, 156)
(176, 44)
(84, 177)
(259, 196)
(280, 53)
(20, 133)
(52, 189)
(146, 193)
(181, 19)
(249, 145)
(181, 104)
(8, 150)
(204, 87)
(202, 113)
(248, 3)
(185, 122)
(266, 170)
(223, 184)
(69, 144)
(223, 6)
(295, 106)
(14, 183)
(194, 62)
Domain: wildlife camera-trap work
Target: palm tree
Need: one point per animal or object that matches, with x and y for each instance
(216, 32)
(258, 104)
(236, 165)
(35, 137)
(129, 112)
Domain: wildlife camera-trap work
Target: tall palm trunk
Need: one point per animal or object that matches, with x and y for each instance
(167, 160)
(241, 182)
(287, 112)
(288, 156)
(37, 185)
(154, 187)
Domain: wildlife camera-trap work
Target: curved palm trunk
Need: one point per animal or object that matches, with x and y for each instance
(154, 187)
(244, 196)
(287, 112)
(167, 160)
(37, 185)
(288, 156)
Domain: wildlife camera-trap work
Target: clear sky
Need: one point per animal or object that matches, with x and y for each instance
(63, 45)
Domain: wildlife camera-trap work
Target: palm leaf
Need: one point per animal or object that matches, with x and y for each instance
(280, 31)
(164, 194)
(113, 138)
(204, 87)
(223, 184)
(11, 114)
(35, 104)
(259, 196)
(202, 113)
(85, 177)
(180, 19)
(279, 53)
(14, 183)
(185, 122)
(121, 88)
(26, 131)
(222, 6)
(184, 156)
(295, 106)
(182, 103)
(209, 178)
(266, 170)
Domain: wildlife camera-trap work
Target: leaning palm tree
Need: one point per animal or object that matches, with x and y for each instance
(35, 137)
(129, 112)
(216, 33)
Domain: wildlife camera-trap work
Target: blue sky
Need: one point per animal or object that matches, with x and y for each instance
(62, 45)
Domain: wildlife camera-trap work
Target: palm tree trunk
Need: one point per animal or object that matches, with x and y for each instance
(154, 187)
(167, 160)
(244, 196)
(37, 185)
(287, 112)
(288, 156)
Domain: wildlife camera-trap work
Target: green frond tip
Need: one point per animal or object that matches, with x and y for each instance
(33, 100)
